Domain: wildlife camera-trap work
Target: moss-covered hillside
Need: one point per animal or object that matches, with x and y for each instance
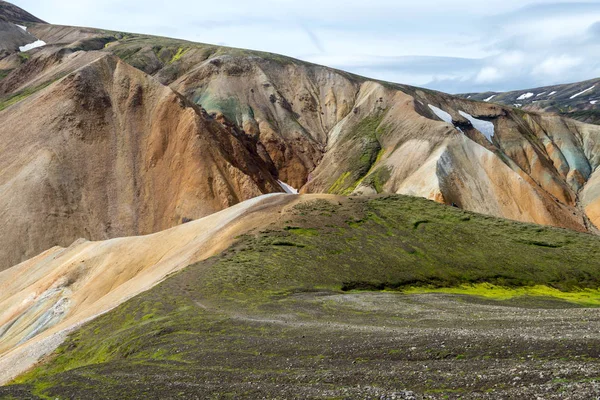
(279, 313)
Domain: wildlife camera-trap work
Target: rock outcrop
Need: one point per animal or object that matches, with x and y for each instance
(108, 151)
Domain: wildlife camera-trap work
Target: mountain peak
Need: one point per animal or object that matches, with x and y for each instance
(17, 15)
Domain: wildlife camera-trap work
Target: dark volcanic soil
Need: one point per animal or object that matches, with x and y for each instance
(354, 345)
(267, 318)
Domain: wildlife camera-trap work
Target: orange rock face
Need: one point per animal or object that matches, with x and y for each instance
(108, 151)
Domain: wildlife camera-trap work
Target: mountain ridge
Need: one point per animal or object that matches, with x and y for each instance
(297, 136)
(16, 14)
(577, 100)
(322, 130)
(124, 155)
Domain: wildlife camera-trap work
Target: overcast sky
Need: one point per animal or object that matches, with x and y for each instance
(455, 46)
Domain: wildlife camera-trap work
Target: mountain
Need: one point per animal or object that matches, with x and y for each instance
(260, 300)
(111, 152)
(105, 133)
(574, 100)
(17, 15)
(12, 37)
(149, 251)
(330, 131)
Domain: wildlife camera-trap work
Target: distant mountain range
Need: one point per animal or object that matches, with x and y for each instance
(580, 101)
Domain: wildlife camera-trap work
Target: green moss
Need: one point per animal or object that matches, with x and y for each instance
(22, 95)
(380, 243)
(378, 178)
(302, 231)
(340, 184)
(23, 57)
(180, 53)
(40, 388)
(364, 151)
(584, 297)
(406, 242)
(4, 73)
(126, 53)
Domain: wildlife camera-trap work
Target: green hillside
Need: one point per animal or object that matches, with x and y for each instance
(319, 306)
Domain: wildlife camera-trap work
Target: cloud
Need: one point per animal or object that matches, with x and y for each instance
(488, 75)
(594, 30)
(555, 66)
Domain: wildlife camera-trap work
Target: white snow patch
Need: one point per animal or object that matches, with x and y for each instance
(580, 93)
(538, 95)
(485, 127)
(287, 188)
(443, 115)
(468, 97)
(22, 27)
(517, 105)
(525, 96)
(30, 46)
(551, 93)
(489, 98)
(593, 102)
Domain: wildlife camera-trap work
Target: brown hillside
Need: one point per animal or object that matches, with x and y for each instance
(108, 151)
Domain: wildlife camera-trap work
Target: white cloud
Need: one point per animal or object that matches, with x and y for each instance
(557, 65)
(488, 75)
(511, 59)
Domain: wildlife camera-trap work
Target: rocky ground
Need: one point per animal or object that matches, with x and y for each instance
(277, 314)
(349, 345)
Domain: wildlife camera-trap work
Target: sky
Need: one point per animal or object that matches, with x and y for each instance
(456, 46)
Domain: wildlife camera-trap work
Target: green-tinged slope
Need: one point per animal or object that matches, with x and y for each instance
(273, 315)
(394, 242)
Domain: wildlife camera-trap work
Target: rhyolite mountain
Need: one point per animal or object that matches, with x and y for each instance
(13, 36)
(17, 15)
(146, 253)
(108, 134)
(579, 100)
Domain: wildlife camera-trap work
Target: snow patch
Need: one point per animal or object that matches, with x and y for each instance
(540, 94)
(593, 102)
(551, 93)
(30, 46)
(489, 98)
(517, 105)
(441, 114)
(287, 188)
(485, 127)
(580, 93)
(525, 96)
(22, 27)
